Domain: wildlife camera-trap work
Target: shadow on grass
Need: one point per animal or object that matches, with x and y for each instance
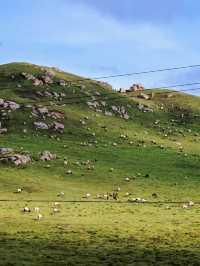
(37, 251)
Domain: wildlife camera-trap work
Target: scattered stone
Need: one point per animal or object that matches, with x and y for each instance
(41, 125)
(47, 156)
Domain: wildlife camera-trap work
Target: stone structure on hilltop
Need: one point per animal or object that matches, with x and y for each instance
(136, 87)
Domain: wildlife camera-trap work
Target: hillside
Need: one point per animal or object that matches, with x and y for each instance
(98, 141)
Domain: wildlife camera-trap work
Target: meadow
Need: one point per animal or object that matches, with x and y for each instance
(159, 155)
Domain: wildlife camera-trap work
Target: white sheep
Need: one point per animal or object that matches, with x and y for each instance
(185, 206)
(56, 203)
(190, 203)
(39, 216)
(37, 209)
(65, 162)
(26, 209)
(56, 210)
(19, 190)
(88, 195)
(127, 179)
(61, 194)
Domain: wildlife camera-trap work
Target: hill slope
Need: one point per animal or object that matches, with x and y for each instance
(103, 141)
(102, 126)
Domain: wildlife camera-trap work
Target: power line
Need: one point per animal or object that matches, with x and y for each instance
(135, 73)
(148, 71)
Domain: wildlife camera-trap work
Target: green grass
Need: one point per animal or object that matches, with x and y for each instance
(96, 233)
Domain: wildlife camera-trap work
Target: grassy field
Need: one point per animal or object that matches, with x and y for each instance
(158, 157)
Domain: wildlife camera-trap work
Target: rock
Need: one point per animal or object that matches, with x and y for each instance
(41, 125)
(56, 115)
(108, 113)
(62, 82)
(16, 159)
(37, 82)
(9, 105)
(143, 96)
(144, 109)
(114, 108)
(3, 130)
(126, 116)
(6, 150)
(47, 156)
(46, 79)
(42, 110)
(58, 127)
(22, 159)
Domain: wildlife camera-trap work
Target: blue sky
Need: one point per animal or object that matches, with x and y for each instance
(94, 38)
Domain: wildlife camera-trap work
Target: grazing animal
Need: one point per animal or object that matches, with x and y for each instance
(55, 210)
(19, 190)
(88, 195)
(26, 209)
(37, 209)
(39, 216)
(61, 194)
(190, 203)
(115, 196)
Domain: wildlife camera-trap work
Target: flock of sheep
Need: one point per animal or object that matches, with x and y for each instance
(104, 196)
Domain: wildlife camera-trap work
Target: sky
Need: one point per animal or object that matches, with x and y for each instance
(105, 37)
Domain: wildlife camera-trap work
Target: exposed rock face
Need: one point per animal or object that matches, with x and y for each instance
(45, 79)
(9, 105)
(2, 130)
(144, 109)
(41, 125)
(37, 82)
(58, 127)
(62, 82)
(143, 96)
(5, 150)
(19, 159)
(47, 156)
(7, 155)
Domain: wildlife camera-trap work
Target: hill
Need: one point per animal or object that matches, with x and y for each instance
(63, 133)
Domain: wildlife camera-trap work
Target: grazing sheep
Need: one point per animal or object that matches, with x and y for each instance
(61, 194)
(19, 190)
(185, 206)
(55, 210)
(26, 209)
(106, 196)
(56, 203)
(190, 203)
(69, 172)
(115, 196)
(65, 162)
(37, 209)
(39, 216)
(88, 195)
(127, 179)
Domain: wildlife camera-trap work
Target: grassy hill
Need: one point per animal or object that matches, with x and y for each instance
(103, 145)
